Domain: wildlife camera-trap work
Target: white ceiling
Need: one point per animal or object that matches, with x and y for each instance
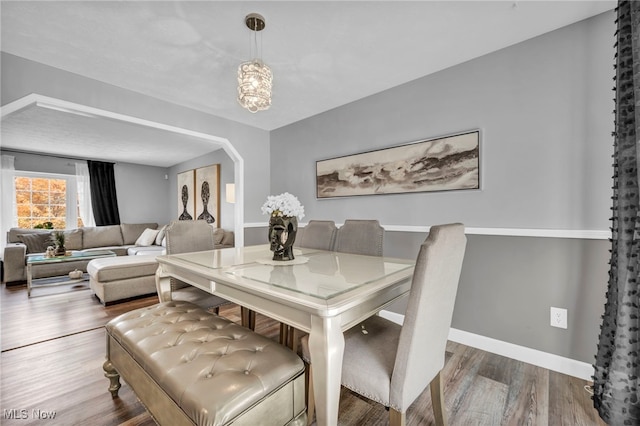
(323, 55)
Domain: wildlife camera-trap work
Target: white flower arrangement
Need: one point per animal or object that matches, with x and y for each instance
(283, 205)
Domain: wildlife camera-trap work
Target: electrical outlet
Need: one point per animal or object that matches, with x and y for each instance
(558, 317)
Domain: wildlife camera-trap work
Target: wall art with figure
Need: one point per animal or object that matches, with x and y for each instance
(207, 194)
(186, 199)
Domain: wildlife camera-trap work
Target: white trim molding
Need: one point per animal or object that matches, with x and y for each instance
(256, 224)
(516, 232)
(584, 234)
(542, 359)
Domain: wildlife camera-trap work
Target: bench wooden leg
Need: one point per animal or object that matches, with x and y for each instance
(113, 376)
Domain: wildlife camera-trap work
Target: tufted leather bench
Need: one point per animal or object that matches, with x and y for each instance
(188, 366)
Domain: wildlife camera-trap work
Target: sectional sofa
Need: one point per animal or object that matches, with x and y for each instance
(114, 279)
(23, 242)
(124, 239)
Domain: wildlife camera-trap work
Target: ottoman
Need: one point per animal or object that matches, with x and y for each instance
(191, 367)
(120, 278)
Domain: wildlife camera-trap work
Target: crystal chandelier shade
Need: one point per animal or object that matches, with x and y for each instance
(254, 85)
(255, 79)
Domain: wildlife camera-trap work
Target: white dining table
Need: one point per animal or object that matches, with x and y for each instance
(320, 292)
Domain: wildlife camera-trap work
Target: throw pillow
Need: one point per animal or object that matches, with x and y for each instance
(12, 235)
(147, 238)
(218, 235)
(36, 243)
(73, 239)
(131, 231)
(160, 235)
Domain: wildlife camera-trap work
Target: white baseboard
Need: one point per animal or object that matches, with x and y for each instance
(546, 360)
(392, 316)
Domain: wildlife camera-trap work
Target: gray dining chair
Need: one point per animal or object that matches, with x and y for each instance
(356, 236)
(184, 236)
(360, 236)
(317, 234)
(393, 364)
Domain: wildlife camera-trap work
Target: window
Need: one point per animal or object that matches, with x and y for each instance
(44, 198)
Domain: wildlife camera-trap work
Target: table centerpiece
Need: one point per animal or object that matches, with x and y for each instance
(285, 210)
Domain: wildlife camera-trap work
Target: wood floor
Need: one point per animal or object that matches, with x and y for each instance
(53, 350)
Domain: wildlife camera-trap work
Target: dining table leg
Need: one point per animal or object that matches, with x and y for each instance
(163, 285)
(29, 279)
(326, 347)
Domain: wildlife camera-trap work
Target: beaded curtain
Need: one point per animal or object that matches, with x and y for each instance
(616, 369)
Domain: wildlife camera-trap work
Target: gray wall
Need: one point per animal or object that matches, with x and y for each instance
(508, 284)
(544, 108)
(141, 192)
(21, 77)
(141, 189)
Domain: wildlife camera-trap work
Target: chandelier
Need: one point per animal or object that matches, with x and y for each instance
(254, 77)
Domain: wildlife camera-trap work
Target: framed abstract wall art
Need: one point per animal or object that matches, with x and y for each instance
(207, 193)
(440, 164)
(186, 201)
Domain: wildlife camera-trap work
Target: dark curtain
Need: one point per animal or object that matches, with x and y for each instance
(103, 193)
(616, 367)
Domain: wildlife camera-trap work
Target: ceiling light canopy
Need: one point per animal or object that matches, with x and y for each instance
(254, 77)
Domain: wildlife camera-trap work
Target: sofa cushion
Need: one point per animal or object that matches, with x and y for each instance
(118, 250)
(101, 236)
(131, 231)
(147, 238)
(122, 267)
(228, 239)
(160, 235)
(73, 239)
(154, 250)
(218, 235)
(36, 243)
(12, 235)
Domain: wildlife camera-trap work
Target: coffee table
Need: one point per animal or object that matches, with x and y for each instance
(35, 262)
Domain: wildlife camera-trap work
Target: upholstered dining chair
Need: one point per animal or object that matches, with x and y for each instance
(357, 236)
(393, 364)
(184, 236)
(317, 234)
(360, 236)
